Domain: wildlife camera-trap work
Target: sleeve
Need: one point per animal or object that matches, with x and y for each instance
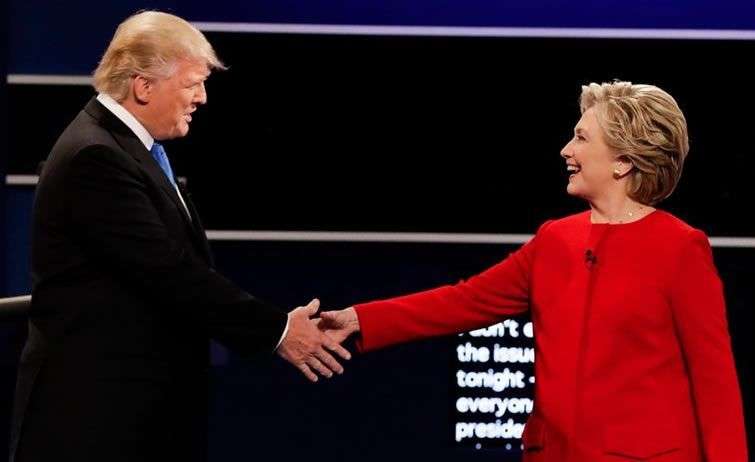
(499, 292)
(700, 319)
(113, 220)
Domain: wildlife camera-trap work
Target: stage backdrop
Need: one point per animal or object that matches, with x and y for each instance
(398, 119)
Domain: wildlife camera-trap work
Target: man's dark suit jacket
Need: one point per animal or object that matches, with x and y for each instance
(124, 299)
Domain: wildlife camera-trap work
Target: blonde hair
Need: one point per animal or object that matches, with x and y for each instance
(149, 44)
(644, 124)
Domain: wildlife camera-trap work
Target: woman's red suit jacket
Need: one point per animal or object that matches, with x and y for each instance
(633, 355)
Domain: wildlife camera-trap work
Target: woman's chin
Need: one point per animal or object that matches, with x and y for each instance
(572, 189)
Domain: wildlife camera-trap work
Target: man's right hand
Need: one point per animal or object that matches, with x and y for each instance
(307, 348)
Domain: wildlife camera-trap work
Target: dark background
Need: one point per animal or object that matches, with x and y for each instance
(381, 133)
(425, 133)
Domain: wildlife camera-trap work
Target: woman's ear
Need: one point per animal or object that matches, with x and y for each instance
(622, 167)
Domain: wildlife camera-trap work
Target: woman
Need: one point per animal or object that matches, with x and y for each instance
(633, 353)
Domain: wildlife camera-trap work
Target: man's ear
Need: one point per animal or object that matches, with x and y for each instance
(142, 88)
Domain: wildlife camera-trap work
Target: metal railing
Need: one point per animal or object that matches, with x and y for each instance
(14, 308)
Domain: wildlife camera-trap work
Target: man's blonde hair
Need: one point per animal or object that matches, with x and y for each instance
(149, 44)
(644, 124)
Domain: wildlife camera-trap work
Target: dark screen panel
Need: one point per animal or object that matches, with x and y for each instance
(425, 133)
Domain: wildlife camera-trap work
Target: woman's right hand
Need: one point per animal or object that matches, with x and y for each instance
(340, 324)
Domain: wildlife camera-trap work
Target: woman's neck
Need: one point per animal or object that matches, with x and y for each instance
(619, 209)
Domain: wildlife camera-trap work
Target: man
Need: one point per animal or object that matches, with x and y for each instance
(124, 292)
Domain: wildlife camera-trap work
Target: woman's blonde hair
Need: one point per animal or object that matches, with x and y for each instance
(149, 44)
(644, 125)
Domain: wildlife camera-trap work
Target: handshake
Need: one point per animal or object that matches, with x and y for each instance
(311, 343)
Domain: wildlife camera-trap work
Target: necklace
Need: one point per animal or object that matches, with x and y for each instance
(631, 214)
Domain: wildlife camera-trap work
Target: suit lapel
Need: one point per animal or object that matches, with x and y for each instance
(199, 233)
(133, 145)
(156, 173)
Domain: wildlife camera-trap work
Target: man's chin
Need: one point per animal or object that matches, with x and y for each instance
(180, 131)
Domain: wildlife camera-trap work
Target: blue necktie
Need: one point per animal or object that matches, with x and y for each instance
(158, 153)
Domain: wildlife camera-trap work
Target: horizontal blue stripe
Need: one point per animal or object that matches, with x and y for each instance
(69, 37)
(671, 14)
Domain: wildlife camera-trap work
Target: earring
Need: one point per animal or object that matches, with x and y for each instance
(616, 174)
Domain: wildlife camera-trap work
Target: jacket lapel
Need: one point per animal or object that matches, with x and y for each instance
(133, 145)
(199, 233)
